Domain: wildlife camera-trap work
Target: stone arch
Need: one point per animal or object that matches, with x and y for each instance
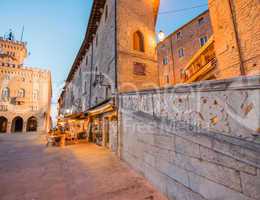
(3, 124)
(17, 124)
(138, 41)
(32, 124)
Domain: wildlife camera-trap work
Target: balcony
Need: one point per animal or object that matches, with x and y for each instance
(202, 66)
(18, 100)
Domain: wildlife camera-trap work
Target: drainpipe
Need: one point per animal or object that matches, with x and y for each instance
(173, 69)
(242, 68)
(119, 132)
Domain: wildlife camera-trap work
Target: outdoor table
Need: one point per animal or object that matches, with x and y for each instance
(53, 139)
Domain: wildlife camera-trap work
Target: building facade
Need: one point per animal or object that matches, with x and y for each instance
(192, 141)
(25, 92)
(176, 51)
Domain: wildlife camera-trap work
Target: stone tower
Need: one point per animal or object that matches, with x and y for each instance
(12, 53)
(237, 36)
(136, 44)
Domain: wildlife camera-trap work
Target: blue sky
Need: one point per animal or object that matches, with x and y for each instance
(54, 29)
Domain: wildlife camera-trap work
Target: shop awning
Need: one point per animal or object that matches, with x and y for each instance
(102, 108)
(72, 116)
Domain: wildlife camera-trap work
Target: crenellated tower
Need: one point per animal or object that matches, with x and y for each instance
(12, 52)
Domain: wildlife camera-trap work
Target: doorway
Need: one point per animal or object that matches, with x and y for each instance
(3, 125)
(31, 124)
(106, 133)
(17, 125)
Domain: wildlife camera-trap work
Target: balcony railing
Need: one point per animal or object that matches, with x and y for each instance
(202, 65)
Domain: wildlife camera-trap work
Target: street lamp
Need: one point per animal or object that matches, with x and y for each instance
(161, 36)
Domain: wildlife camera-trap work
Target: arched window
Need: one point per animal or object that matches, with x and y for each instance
(106, 13)
(138, 41)
(6, 92)
(21, 93)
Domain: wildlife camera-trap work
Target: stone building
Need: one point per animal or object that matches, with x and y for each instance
(112, 60)
(25, 92)
(192, 141)
(176, 51)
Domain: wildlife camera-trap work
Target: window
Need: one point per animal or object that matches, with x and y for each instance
(106, 13)
(96, 39)
(167, 80)
(165, 61)
(35, 95)
(181, 52)
(85, 87)
(6, 92)
(138, 41)
(139, 69)
(87, 61)
(203, 40)
(201, 21)
(21, 93)
(96, 77)
(178, 35)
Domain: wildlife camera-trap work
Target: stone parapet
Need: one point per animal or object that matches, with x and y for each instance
(229, 107)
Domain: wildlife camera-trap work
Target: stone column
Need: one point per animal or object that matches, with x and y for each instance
(24, 126)
(9, 127)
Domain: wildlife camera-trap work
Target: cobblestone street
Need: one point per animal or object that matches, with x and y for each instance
(30, 171)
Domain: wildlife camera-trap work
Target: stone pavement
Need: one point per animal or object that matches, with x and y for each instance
(31, 171)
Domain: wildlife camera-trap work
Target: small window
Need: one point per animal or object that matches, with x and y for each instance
(165, 61)
(85, 87)
(106, 13)
(87, 61)
(139, 69)
(203, 40)
(182, 73)
(6, 92)
(21, 93)
(178, 35)
(35, 95)
(167, 80)
(181, 52)
(201, 21)
(96, 39)
(138, 41)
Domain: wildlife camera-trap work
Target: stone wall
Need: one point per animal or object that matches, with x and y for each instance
(236, 32)
(104, 55)
(175, 140)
